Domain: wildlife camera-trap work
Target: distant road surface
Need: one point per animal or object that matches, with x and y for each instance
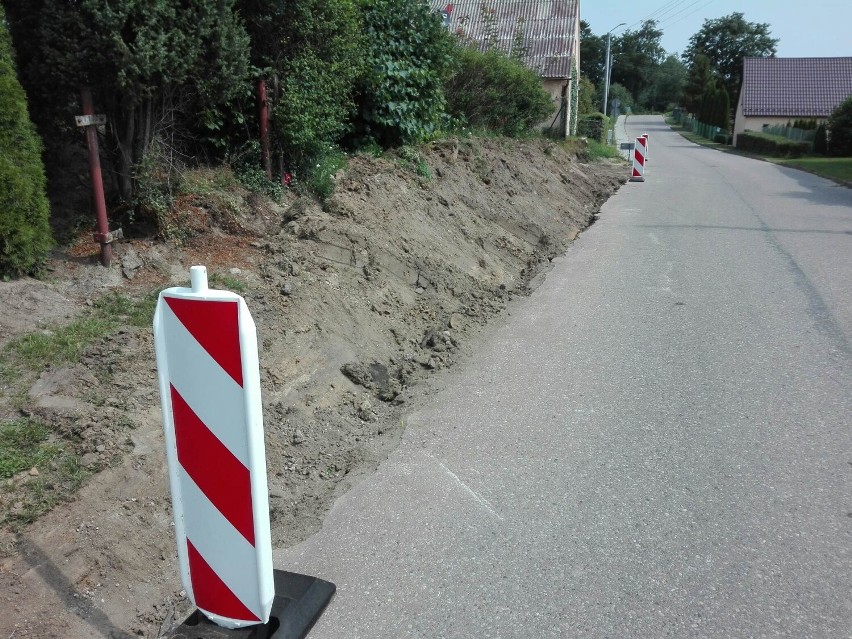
(655, 444)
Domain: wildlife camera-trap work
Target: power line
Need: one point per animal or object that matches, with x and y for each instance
(690, 13)
(666, 8)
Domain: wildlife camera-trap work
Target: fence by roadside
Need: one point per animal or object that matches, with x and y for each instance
(707, 131)
(792, 133)
(718, 134)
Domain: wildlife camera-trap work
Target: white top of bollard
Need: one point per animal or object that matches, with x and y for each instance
(198, 278)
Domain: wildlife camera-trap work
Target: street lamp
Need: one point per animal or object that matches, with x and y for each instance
(608, 62)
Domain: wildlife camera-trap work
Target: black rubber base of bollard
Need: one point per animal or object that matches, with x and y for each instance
(299, 602)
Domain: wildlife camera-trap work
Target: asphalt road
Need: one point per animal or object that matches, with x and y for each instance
(655, 444)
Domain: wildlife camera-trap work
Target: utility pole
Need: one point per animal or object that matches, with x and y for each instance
(90, 122)
(608, 62)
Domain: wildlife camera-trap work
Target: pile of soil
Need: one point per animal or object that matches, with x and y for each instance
(356, 301)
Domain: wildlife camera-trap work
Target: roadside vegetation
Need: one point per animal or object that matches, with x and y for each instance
(339, 77)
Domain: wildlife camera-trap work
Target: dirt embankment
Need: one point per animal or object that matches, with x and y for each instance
(355, 301)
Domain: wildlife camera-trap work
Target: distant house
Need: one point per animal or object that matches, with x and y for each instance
(776, 91)
(551, 39)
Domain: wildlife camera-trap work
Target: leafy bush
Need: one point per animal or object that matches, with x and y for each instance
(311, 52)
(493, 91)
(771, 145)
(400, 98)
(840, 129)
(25, 236)
(593, 126)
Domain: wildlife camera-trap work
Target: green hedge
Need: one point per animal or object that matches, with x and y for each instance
(593, 126)
(771, 145)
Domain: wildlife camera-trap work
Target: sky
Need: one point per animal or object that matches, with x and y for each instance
(818, 28)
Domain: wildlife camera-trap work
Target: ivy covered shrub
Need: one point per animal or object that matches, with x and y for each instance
(408, 56)
(494, 91)
(25, 236)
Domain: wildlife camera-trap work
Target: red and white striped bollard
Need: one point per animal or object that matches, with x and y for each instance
(638, 167)
(206, 347)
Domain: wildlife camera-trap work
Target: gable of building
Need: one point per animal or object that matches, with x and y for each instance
(794, 87)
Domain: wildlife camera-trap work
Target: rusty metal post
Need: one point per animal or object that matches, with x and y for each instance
(103, 234)
(264, 127)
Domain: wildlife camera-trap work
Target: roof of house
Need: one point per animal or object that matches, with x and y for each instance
(795, 87)
(549, 27)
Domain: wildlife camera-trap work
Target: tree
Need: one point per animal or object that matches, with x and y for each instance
(149, 64)
(666, 84)
(622, 94)
(592, 54)
(636, 54)
(699, 81)
(400, 97)
(725, 42)
(840, 129)
(25, 237)
(715, 107)
(311, 51)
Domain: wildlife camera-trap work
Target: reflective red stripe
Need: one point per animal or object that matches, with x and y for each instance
(211, 593)
(214, 325)
(214, 469)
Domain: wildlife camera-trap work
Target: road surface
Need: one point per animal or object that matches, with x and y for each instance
(655, 444)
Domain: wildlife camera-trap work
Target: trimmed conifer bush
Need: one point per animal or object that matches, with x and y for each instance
(25, 236)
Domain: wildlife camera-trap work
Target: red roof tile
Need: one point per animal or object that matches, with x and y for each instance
(795, 87)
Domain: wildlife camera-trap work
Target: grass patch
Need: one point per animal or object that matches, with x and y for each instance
(27, 443)
(23, 446)
(599, 151)
(65, 344)
(227, 282)
(838, 169)
(59, 346)
(114, 306)
(58, 483)
(589, 148)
